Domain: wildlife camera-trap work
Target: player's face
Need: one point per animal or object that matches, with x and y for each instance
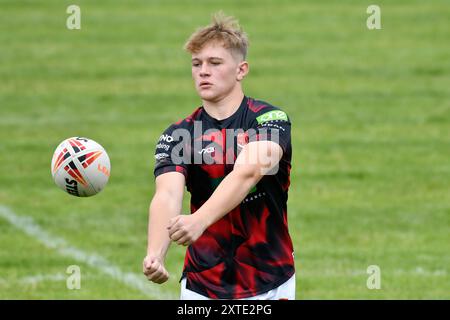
(216, 72)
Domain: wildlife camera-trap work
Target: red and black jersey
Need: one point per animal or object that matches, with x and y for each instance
(248, 251)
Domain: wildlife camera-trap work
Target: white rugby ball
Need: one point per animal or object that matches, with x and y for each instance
(80, 167)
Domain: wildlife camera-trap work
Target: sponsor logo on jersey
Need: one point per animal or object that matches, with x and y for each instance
(160, 156)
(207, 150)
(272, 125)
(272, 116)
(163, 146)
(166, 138)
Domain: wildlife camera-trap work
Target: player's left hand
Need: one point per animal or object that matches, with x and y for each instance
(185, 229)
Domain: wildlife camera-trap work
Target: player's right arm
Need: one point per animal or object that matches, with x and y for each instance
(165, 205)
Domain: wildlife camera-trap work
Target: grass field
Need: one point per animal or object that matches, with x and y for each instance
(371, 136)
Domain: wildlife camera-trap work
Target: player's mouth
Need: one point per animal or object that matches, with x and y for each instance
(205, 85)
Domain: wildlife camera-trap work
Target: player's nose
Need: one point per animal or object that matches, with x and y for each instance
(204, 70)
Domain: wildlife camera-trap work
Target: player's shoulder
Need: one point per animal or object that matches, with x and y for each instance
(262, 111)
(186, 123)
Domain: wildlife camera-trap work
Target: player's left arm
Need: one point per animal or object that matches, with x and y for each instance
(256, 159)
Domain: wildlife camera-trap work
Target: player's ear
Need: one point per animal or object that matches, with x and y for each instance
(243, 69)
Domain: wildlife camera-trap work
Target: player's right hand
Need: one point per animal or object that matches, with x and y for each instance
(154, 269)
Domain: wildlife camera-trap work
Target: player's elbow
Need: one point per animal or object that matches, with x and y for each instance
(248, 172)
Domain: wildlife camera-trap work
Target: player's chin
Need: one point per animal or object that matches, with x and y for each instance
(207, 94)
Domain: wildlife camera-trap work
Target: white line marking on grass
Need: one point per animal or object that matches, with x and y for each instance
(43, 277)
(27, 225)
(51, 277)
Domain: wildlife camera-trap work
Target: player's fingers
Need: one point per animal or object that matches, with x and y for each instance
(172, 230)
(148, 272)
(151, 268)
(160, 276)
(173, 221)
(147, 262)
(174, 236)
(187, 243)
(155, 274)
(183, 240)
(161, 280)
(163, 277)
(144, 268)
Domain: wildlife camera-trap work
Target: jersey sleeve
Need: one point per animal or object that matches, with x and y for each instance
(271, 124)
(167, 159)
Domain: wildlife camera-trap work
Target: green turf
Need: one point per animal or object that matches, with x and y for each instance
(371, 122)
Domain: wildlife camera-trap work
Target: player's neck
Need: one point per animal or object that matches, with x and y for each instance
(225, 107)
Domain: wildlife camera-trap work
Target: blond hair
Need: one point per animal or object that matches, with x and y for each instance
(224, 30)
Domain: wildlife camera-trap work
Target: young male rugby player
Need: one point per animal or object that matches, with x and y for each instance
(234, 156)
